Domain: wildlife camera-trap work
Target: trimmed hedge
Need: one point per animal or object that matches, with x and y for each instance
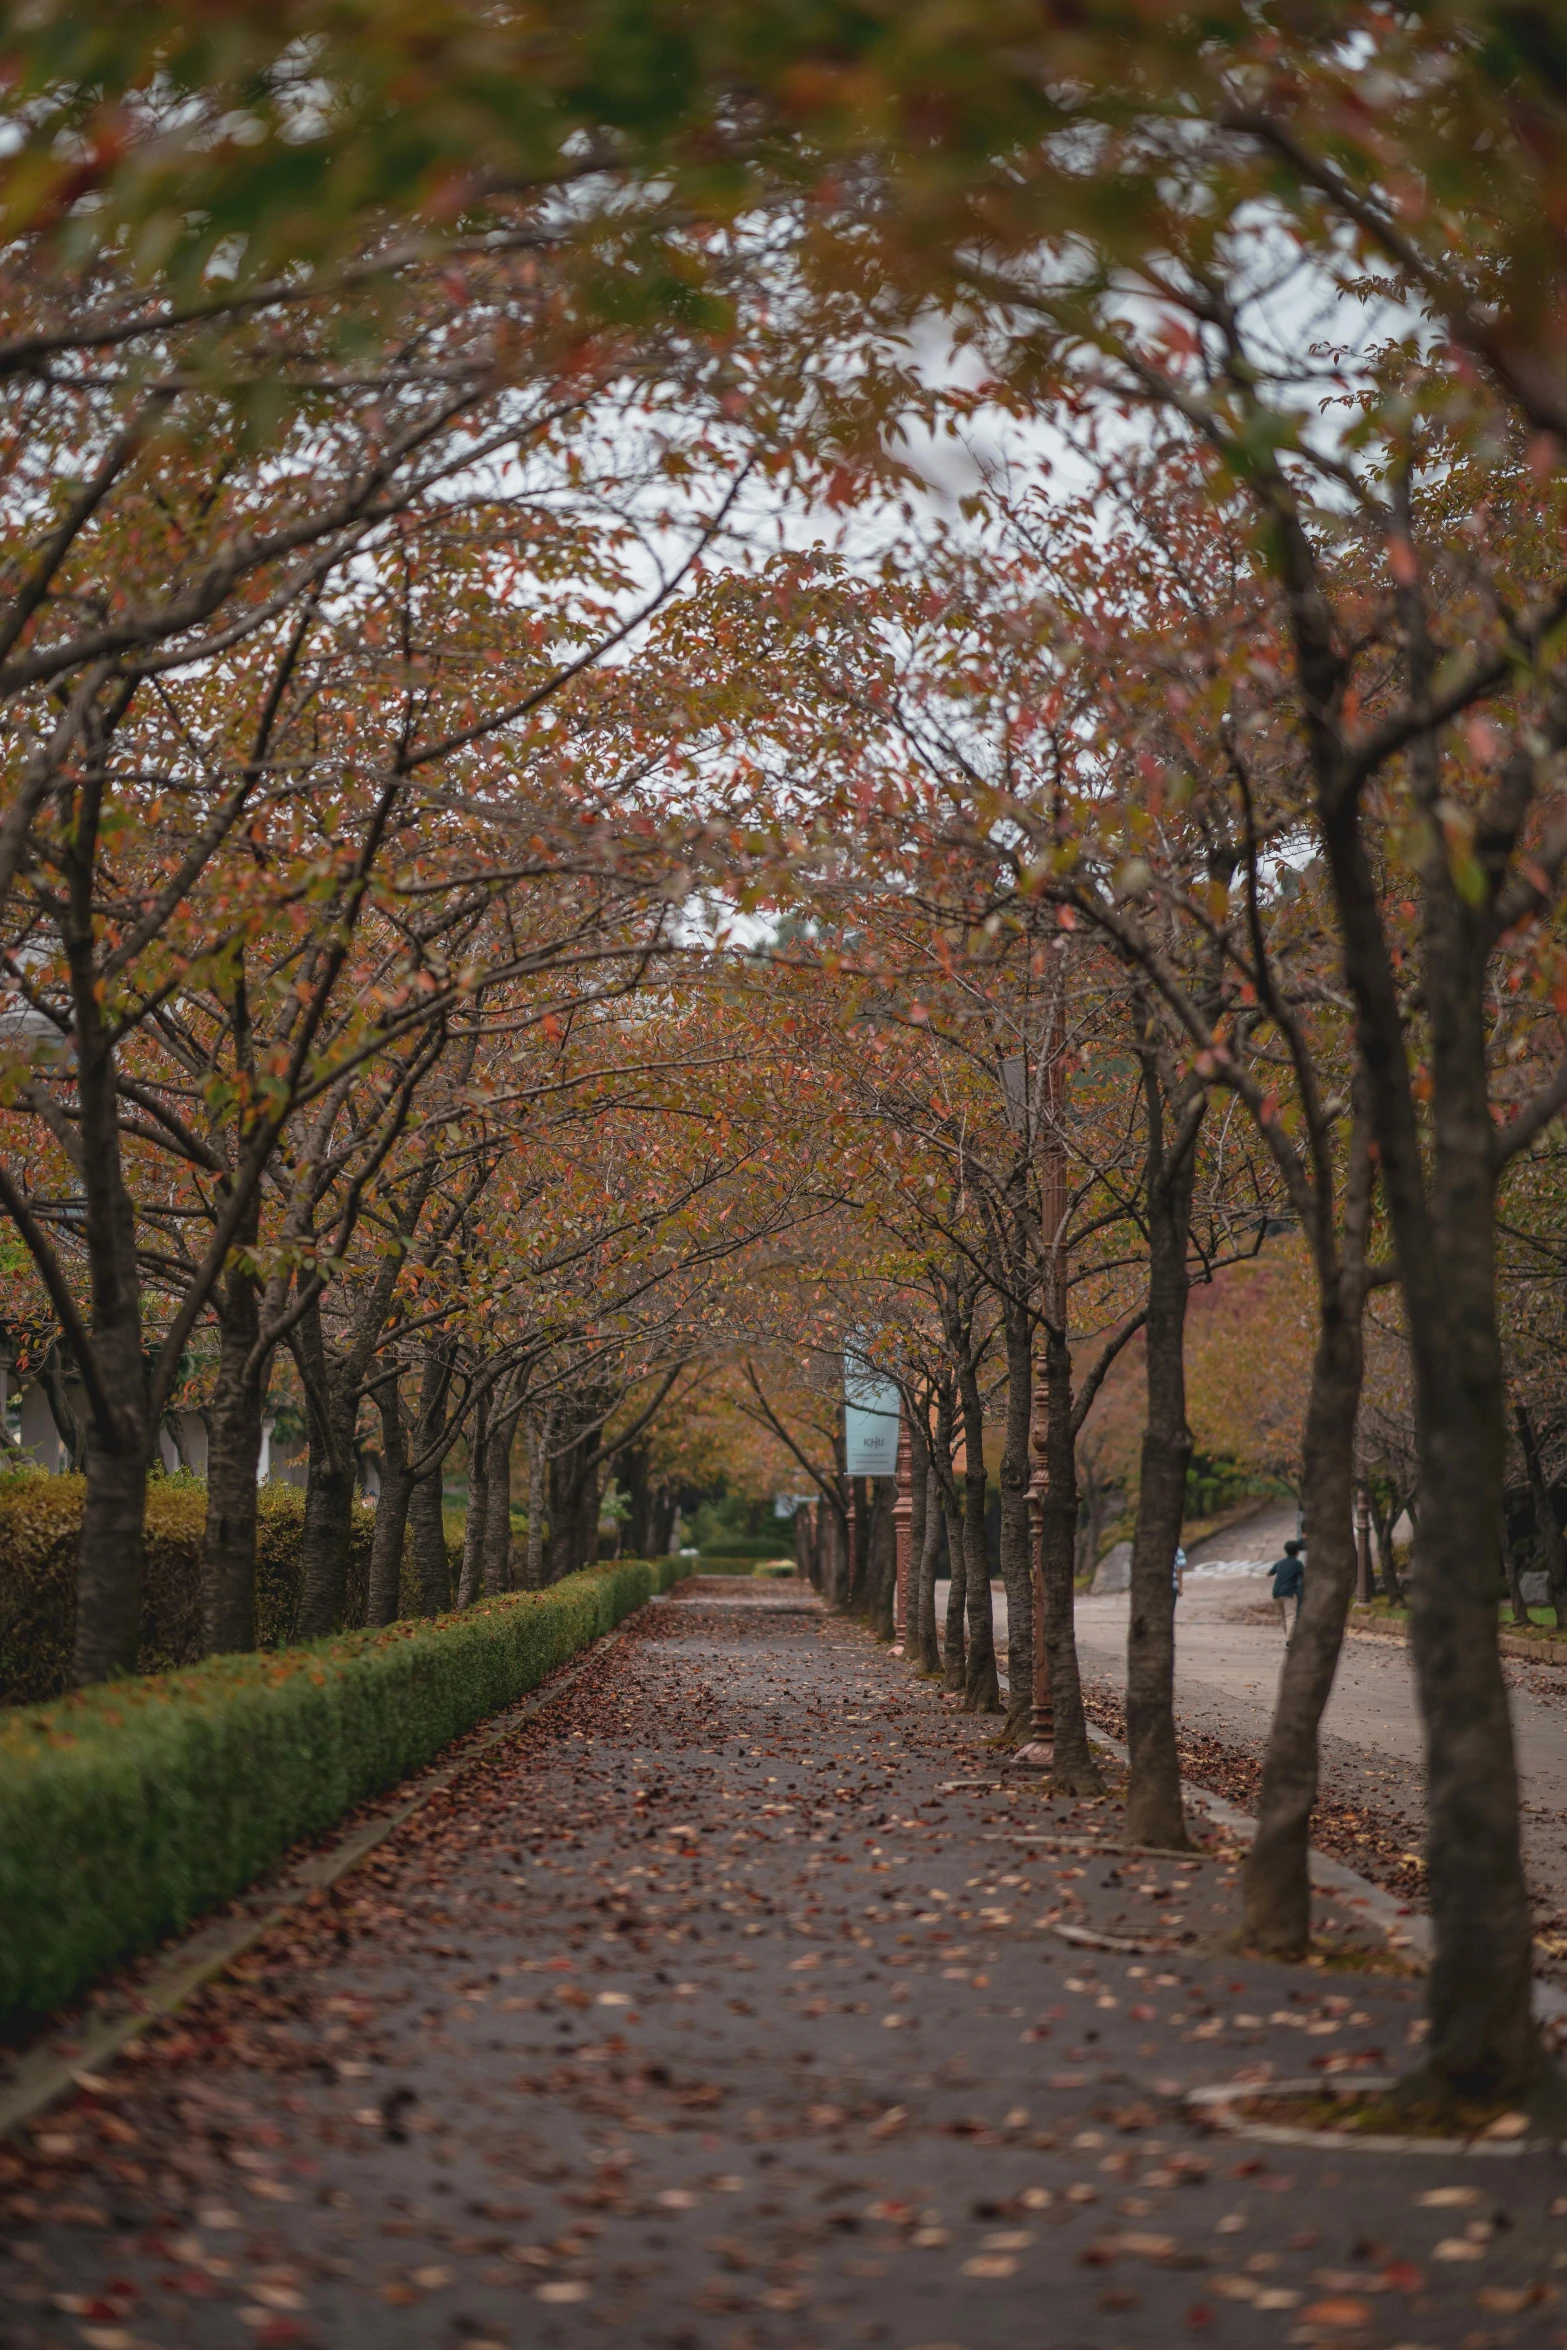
(40, 1519)
(128, 1809)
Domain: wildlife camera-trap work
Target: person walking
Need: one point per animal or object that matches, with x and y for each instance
(1289, 1582)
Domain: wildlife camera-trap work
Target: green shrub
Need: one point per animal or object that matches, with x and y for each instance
(128, 1809)
(40, 1519)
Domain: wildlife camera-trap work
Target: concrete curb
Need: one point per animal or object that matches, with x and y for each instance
(36, 2079)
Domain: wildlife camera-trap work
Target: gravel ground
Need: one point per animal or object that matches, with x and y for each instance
(727, 2008)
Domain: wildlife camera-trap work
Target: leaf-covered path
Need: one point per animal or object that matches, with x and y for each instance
(724, 2009)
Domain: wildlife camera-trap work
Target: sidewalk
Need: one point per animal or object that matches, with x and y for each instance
(726, 2008)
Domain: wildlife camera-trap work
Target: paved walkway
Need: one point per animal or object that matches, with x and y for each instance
(726, 2009)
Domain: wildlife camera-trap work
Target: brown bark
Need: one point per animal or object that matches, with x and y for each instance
(1073, 1770)
(1515, 1598)
(981, 1688)
(954, 1643)
(925, 1647)
(1277, 1874)
(497, 1575)
(332, 1413)
(1482, 2042)
(882, 1566)
(119, 1432)
(233, 1456)
(1547, 1526)
(1017, 1566)
(475, 1524)
(1387, 1506)
(1154, 1811)
(427, 1543)
(538, 1444)
(67, 1420)
(861, 1489)
(391, 1509)
(805, 1547)
(109, 1553)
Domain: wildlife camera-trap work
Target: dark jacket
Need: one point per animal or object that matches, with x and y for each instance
(1289, 1577)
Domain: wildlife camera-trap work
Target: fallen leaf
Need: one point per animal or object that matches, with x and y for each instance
(1340, 2309)
(1507, 2300)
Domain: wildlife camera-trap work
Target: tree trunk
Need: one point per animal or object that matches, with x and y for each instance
(329, 1487)
(882, 1571)
(1482, 2043)
(860, 1552)
(586, 1548)
(1385, 1515)
(538, 1441)
(804, 1533)
(1515, 1598)
(497, 1530)
(427, 1542)
(323, 1544)
(109, 1550)
(919, 1480)
(633, 1474)
(476, 1522)
(1547, 1526)
(1073, 1770)
(925, 1645)
(66, 1418)
(1090, 1517)
(1154, 1813)
(228, 1561)
(1278, 1867)
(954, 1645)
(1017, 1570)
(981, 1689)
(391, 1509)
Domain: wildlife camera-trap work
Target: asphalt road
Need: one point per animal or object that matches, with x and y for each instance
(727, 2008)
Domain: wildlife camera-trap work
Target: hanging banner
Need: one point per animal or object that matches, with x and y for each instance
(871, 1410)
